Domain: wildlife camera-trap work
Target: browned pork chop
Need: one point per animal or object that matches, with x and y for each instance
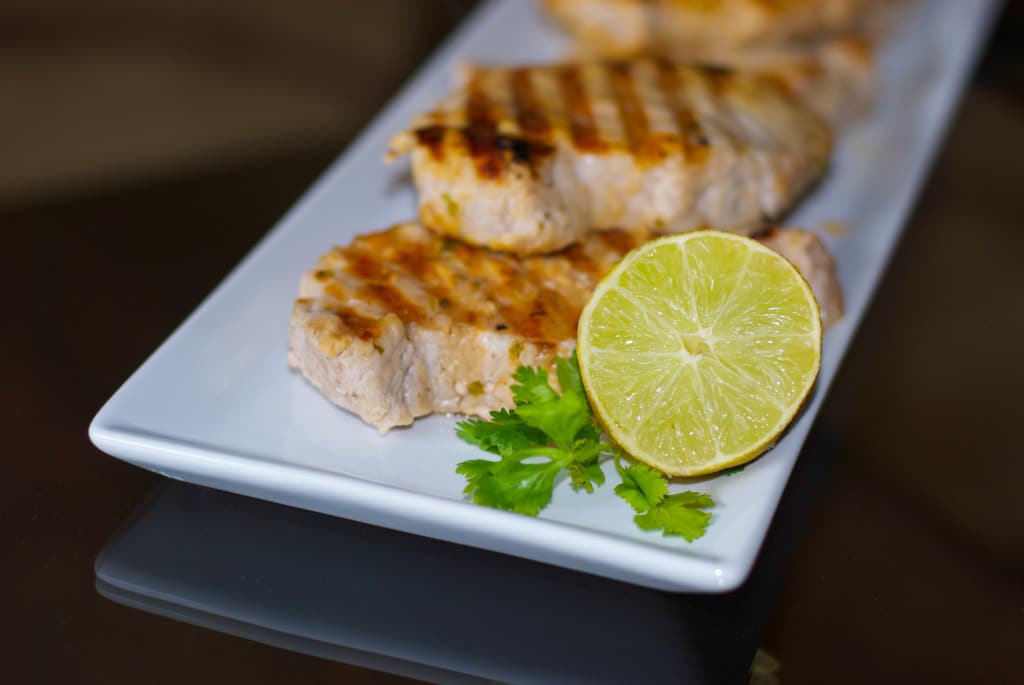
(705, 30)
(530, 160)
(404, 323)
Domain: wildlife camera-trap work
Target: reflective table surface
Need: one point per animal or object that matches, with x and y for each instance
(897, 554)
(426, 609)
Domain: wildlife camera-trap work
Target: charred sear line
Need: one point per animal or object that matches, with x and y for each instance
(521, 306)
(523, 321)
(582, 126)
(483, 148)
(365, 265)
(718, 77)
(493, 153)
(631, 112)
(377, 273)
(530, 115)
(418, 263)
(766, 232)
(391, 299)
(620, 242)
(415, 265)
(694, 142)
(523, 151)
(581, 261)
(432, 282)
(432, 138)
(480, 110)
(414, 261)
(560, 316)
(481, 133)
(360, 326)
(490, 151)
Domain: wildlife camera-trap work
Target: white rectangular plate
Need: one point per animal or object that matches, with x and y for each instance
(217, 405)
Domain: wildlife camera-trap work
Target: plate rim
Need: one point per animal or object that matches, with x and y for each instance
(366, 501)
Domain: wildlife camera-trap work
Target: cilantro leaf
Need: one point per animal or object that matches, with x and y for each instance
(513, 483)
(505, 433)
(734, 470)
(474, 470)
(586, 475)
(568, 372)
(532, 386)
(678, 514)
(646, 490)
(561, 417)
(642, 487)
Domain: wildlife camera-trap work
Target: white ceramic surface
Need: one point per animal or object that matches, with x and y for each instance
(217, 405)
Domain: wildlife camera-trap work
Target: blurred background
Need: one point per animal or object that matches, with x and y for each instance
(143, 140)
(110, 93)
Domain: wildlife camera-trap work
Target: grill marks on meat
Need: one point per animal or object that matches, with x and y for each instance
(635, 125)
(546, 159)
(583, 128)
(404, 323)
(819, 50)
(835, 78)
(529, 111)
(703, 29)
(695, 143)
(492, 122)
(529, 160)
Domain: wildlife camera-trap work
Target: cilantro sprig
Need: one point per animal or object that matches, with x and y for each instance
(646, 490)
(543, 436)
(548, 435)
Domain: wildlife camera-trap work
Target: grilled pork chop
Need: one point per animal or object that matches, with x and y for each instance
(704, 30)
(530, 160)
(404, 323)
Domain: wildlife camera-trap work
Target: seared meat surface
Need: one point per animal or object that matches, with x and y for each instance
(705, 30)
(834, 78)
(403, 323)
(530, 160)
(813, 261)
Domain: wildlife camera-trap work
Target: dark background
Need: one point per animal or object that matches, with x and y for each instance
(146, 146)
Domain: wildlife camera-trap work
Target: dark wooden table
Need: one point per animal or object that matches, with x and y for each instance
(908, 557)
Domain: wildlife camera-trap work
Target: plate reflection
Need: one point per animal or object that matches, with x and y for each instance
(427, 609)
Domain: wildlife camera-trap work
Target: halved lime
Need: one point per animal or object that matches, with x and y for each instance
(698, 349)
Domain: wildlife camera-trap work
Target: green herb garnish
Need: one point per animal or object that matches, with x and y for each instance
(646, 490)
(548, 434)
